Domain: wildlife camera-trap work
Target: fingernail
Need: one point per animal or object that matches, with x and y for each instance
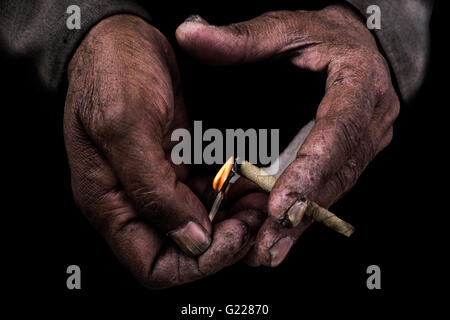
(192, 238)
(196, 18)
(280, 250)
(295, 213)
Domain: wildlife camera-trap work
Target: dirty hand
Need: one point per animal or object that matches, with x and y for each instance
(353, 122)
(122, 104)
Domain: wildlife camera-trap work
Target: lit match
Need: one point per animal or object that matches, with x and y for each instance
(220, 184)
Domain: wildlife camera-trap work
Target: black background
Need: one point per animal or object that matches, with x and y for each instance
(391, 205)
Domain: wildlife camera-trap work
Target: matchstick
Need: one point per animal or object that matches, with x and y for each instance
(215, 206)
(220, 184)
(313, 210)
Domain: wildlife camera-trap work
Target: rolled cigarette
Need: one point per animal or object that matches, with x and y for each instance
(258, 176)
(313, 210)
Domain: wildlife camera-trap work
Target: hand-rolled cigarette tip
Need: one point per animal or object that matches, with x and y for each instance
(313, 210)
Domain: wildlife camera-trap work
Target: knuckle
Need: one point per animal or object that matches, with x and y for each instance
(245, 31)
(341, 181)
(376, 70)
(349, 126)
(367, 152)
(154, 199)
(280, 17)
(330, 192)
(148, 200)
(367, 66)
(352, 171)
(240, 29)
(109, 123)
(264, 27)
(344, 179)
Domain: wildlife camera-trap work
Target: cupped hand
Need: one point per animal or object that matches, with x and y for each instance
(122, 104)
(354, 120)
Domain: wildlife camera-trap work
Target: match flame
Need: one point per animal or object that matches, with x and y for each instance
(223, 174)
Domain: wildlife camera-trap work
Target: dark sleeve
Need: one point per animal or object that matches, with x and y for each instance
(404, 38)
(36, 32)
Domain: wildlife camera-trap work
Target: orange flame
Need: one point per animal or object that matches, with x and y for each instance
(222, 175)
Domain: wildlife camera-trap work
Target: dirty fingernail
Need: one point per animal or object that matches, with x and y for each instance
(280, 250)
(192, 238)
(196, 18)
(295, 213)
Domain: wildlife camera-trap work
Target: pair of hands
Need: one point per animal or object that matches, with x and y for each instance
(124, 101)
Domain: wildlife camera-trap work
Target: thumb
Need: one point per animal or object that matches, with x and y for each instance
(260, 38)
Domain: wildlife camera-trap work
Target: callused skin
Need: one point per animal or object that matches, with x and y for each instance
(122, 104)
(354, 120)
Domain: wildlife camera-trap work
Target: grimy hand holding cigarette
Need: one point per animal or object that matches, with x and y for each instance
(124, 100)
(353, 123)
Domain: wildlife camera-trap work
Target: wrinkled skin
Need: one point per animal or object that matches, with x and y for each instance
(354, 120)
(123, 103)
(124, 100)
